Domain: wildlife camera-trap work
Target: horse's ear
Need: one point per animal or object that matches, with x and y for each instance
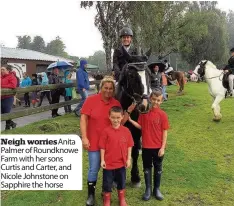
(205, 62)
(148, 53)
(142, 53)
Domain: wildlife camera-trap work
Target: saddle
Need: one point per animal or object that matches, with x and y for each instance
(225, 81)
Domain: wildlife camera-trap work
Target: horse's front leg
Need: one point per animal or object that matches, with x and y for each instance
(135, 176)
(216, 108)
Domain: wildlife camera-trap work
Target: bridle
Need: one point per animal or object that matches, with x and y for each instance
(135, 97)
(202, 73)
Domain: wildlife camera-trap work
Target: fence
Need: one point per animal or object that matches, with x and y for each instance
(38, 88)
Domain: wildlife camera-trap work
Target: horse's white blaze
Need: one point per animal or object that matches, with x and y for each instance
(214, 78)
(143, 80)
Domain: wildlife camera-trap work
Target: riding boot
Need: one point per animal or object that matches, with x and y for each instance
(8, 126)
(121, 195)
(148, 184)
(157, 180)
(106, 198)
(12, 124)
(91, 193)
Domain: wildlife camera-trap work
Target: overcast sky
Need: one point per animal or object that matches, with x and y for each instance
(51, 18)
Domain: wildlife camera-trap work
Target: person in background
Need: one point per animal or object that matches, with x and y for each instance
(34, 94)
(43, 80)
(230, 70)
(26, 82)
(68, 91)
(155, 78)
(55, 93)
(82, 80)
(15, 97)
(8, 81)
(164, 86)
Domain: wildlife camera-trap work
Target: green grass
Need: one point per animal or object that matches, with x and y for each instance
(198, 166)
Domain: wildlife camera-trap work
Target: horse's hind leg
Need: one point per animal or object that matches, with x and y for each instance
(216, 108)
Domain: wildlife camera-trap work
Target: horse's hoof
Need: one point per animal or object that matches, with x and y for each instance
(216, 119)
(136, 184)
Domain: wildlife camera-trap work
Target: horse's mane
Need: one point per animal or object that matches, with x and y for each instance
(209, 64)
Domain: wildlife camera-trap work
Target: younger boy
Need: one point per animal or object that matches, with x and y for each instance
(116, 145)
(154, 126)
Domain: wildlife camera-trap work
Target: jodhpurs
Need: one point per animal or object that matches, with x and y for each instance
(231, 79)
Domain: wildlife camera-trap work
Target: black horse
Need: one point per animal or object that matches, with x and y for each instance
(131, 89)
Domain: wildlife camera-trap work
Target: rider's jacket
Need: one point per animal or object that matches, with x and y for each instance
(230, 65)
(119, 59)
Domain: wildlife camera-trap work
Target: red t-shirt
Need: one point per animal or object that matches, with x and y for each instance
(152, 125)
(115, 142)
(98, 117)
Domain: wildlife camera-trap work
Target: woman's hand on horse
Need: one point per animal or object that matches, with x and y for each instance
(131, 107)
(161, 152)
(85, 142)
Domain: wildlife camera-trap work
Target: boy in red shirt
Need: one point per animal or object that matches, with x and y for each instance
(116, 146)
(154, 126)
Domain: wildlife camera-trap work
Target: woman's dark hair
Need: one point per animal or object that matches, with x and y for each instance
(34, 75)
(8, 67)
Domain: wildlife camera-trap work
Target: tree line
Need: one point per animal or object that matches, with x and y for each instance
(195, 30)
(57, 47)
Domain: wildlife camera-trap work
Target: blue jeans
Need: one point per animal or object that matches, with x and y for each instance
(6, 105)
(164, 92)
(94, 165)
(84, 95)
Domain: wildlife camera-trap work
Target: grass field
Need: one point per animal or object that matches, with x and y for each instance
(198, 165)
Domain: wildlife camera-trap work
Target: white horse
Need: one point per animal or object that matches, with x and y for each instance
(213, 77)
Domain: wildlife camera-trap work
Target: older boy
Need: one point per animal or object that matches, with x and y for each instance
(116, 145)
(154, 126)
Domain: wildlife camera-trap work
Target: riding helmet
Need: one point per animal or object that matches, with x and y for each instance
(126, 31)
(232, 50)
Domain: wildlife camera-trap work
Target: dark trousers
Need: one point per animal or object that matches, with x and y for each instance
(135, 177)
(108, 177)
(149, 157)
(55, 99)
(6, 105)
(47, 93)
(26, 99)
(67, 108)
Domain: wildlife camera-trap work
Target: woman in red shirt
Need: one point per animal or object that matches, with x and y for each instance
(8, 81)
(94, 118)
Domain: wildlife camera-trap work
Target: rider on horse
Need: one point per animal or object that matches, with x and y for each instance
(230, 70)
(119, 59)
(168, 69)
